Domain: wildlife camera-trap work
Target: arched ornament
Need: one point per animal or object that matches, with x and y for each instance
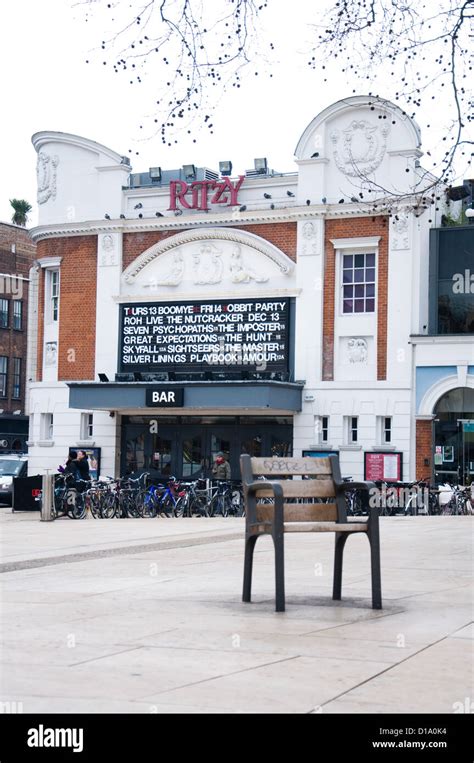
(362, 147)
(279, 258)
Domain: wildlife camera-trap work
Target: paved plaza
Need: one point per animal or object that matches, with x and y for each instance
(145, 615)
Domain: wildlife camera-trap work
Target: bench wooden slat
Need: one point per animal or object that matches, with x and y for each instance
(284, 467)
(294, 512)
(324, 527)
(321, 488)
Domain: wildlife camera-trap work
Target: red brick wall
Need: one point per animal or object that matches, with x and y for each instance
(282, 235)
(354, 228)
(135, 244)
(424, 447)
(13, 341)
(77, 305)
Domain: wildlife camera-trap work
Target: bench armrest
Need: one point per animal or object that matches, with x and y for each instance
(372, 511)
(250, 488)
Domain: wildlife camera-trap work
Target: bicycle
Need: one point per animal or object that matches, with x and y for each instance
(68, 501)
(221, 499)
(194, 500)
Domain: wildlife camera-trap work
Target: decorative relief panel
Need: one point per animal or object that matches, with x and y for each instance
(361, 147)
(357, 350)
(107, 256)
(399, 234)
(217, 255)
(46, 176)
(209, 264)
(311, 237)
(51, 354)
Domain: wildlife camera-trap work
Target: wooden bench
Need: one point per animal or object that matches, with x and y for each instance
(267, 513)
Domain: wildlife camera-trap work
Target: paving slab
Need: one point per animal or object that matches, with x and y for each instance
(145, 616)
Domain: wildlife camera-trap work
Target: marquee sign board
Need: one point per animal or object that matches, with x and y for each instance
(217, 335)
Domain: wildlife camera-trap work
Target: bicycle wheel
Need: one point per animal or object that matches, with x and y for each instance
(181, 507)
(199, 506)
(167, 506)
(76, 504)
(94, 504)
(146, 503)
(108, 506)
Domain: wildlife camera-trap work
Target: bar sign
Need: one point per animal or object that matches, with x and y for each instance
(165, 397)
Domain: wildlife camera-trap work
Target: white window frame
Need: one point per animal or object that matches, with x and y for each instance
(53, 295)
(87, 426)
(47, 426)
(324, 429)
(349, 430)
(362, 245)
(382, 430)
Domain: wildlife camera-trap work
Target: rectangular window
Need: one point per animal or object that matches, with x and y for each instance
(87, 426)
(54, 292)
(358, 283)
(17, 314)
(387, 429)
(3, 375)
(324, 428)
(16, 389)
(47, 422)
(351, 435)
(3, 313)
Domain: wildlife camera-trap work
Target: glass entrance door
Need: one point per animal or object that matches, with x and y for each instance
(187, 447)
(467, 449)
(454, 437)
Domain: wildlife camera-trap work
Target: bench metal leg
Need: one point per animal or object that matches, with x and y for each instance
(248, 561)
(338, 558)
(374, 540)
(279, 573)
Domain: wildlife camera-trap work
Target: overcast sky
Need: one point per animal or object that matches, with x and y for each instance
(46, 85)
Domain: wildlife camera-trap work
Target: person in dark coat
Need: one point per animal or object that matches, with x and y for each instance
(82, 466)
(70, 467)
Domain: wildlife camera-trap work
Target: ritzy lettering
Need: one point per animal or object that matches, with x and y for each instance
(201, 193)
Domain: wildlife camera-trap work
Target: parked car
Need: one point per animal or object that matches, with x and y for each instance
(11, 465)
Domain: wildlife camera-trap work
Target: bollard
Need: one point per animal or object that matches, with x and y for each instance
(47, 498)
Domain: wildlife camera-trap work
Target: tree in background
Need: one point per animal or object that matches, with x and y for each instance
(197, 49)
(20, 211)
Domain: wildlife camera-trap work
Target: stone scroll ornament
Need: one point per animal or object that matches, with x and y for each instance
(46, 176)
(357, 350)
(363, 147)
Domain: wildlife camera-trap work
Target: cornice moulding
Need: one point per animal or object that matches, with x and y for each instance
(95, 227)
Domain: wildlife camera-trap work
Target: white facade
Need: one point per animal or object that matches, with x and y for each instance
(360, 148)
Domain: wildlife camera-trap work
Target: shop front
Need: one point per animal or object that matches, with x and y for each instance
(187, 446)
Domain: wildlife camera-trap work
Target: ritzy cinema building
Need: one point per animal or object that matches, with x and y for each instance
(187, 313)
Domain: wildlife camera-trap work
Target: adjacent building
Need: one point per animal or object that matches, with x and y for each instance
(187, 313)
(17, 255)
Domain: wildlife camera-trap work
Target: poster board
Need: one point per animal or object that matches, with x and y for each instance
(383, 466)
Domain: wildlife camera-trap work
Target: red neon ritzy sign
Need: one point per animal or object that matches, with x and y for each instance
(225, 192)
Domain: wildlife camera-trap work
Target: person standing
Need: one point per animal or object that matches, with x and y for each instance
(82, 466)
(221, 469)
